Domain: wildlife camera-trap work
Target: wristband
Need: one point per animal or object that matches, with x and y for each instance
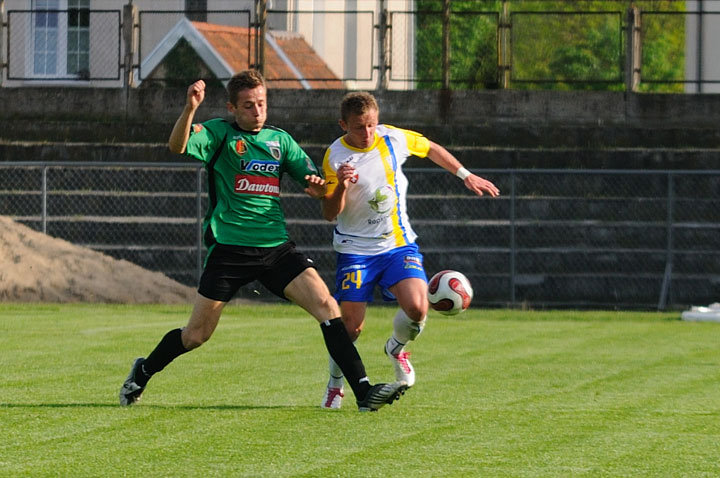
(462, 173)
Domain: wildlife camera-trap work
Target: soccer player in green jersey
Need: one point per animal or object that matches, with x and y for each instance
(246, 236)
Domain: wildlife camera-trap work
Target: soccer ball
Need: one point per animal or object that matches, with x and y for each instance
(449, 292)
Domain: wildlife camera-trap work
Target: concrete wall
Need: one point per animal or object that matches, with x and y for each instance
(145, 115)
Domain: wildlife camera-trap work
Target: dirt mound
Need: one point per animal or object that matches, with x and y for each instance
(35, 267)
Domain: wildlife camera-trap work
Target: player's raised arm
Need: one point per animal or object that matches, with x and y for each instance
(181, 131)
(443, 158)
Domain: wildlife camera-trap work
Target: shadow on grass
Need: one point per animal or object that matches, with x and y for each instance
(158, 407)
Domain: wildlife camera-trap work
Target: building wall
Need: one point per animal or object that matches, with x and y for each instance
(702, 57)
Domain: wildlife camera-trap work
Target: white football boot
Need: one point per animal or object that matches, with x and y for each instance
(333, 397)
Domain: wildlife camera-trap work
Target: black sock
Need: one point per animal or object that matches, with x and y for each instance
(169, 348)
(344, 353)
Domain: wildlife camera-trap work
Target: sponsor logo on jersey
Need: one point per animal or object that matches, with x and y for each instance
(383, 200)
(197, 128)
(240, 147)
(412, 262)
(274, 147)
(259, 165)
(265, 186)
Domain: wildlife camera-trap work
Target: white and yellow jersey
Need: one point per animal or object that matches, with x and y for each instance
(375, 218)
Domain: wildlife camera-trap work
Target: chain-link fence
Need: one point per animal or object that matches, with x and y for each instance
(555, 238)
(393, 44)
(59, 45)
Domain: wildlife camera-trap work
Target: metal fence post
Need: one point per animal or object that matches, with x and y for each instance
(667, 277)
(633, 59)
(130, 18)
(260, 25)
(446, 45)
(513, 248)
(199, 218)
(44, 199)
(504, 46)
(3, 22)
(383, 47)
(700, 46)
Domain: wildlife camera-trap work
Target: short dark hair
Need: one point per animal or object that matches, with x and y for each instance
(243, 80)
(357, 103)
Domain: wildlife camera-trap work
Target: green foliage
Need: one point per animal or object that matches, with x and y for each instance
(473, 44)
(499, 393)
(663, 53)
(562, 45)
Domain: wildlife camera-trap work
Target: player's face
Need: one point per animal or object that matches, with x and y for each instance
(250, 109)
(360, 129)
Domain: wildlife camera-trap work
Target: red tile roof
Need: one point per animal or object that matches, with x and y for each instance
(236, 45)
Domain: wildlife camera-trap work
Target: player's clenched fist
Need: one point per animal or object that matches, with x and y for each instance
(347, 172)
(196, 93)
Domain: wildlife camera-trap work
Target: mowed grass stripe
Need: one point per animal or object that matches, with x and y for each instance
(499, 393)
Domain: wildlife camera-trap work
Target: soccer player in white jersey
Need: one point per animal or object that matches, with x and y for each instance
(375, 243)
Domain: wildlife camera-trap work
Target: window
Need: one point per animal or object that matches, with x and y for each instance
(78, 38)
(61, 39)
(45, 38)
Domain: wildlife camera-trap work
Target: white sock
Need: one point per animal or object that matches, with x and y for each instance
(404, 330)
(336, 376)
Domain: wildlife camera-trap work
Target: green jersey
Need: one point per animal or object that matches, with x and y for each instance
(244, 171)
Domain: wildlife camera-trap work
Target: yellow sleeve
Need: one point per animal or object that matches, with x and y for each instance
(331, 180)
(417, 144)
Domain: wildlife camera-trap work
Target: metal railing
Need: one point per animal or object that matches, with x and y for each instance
(555, 238)
(460, 44)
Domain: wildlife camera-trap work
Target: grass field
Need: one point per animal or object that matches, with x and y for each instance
(499, 393)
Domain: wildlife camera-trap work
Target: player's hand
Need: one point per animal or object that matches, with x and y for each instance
(347, 172)
(196, 94)
(316, 187)
(479, 185)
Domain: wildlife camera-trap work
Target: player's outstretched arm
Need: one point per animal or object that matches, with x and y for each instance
(443, 158)
(316, 187)
(181, 131)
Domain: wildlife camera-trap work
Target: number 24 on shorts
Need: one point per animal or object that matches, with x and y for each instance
(354, 277)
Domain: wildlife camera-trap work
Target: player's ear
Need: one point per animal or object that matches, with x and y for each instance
(230, 107)
(343, 125)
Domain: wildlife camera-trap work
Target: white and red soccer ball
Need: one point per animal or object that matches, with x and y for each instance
(449, 292)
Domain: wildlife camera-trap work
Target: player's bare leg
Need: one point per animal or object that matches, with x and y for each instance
(202, 323)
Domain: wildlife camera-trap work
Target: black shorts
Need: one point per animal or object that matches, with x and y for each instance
(228, 268)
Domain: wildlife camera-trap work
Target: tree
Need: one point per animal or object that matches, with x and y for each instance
(556, 44)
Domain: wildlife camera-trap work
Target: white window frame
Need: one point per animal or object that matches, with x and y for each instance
(79, 31)
(61, 46)
(61, 43)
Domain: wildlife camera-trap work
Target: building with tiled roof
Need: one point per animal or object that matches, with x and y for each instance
(227, 49)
